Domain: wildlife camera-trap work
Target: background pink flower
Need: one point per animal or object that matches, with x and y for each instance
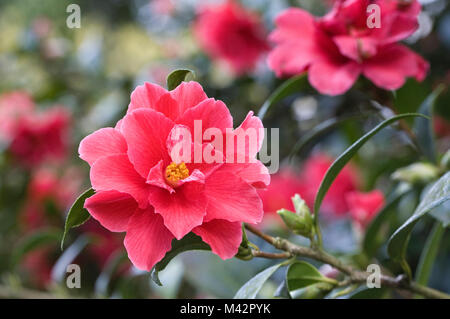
(41, 136)
(337, 48)
(230, 33)
(141, 189)
(364, 206)
(13, 106)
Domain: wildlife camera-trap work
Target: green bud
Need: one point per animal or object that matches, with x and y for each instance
(417, 173)
(300, 224)
(445, 161)
(244, 251)
(315, 291)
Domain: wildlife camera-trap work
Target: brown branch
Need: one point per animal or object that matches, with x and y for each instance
(263, 254)
(355, 276)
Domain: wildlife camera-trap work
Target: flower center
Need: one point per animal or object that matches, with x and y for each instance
(176, 172)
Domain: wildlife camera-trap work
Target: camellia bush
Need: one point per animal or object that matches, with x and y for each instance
(297, 151)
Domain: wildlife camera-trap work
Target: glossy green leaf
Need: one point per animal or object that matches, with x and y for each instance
(188, 242)
(371, 241)
(176, 77)
(77, 214)
(35, 240)
(302, 274)
(254, 285)
(435, 196)
(345, 157)
(429, 253)
(442, 214)
(424, 128)
(293, 85)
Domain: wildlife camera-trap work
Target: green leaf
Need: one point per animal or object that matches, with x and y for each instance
(345, 157)
(435, 196)
(301, 274)
(254, 285)
(442, 214)
(372, 235)
(176, 77)
(429, 254)
(77, 215)
(188, 242)
(424, 128)
(294, 84)
(35, 240)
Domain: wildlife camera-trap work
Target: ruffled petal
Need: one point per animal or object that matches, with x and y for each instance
(146, 132)
(222, 236)
(145, 96)
(187, 95)
(111, 209)
(147, 240)
(104, 142)
(182, 210)
(116, 173)
(231, 198)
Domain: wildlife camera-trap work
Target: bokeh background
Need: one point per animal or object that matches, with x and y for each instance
(75, 81)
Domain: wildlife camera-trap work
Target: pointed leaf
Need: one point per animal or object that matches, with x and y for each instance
(435, 196)
(294, 84)
(345, 157)
(176, 77)
(302, 274)
(254, 285)
(77, 214)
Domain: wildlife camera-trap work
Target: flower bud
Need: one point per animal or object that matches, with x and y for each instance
(301, 224)
(417, 173)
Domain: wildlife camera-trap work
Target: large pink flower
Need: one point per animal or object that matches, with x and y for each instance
(232, 34)
(144, 190)
(337, 48)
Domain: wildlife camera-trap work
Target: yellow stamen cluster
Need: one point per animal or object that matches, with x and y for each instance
(176, 172)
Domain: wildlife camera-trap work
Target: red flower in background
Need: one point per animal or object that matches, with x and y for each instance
(364, 206)
(230, 33)
(337, 48)
(441, 126)
(141, 189)
(13, 106)
(39, 137)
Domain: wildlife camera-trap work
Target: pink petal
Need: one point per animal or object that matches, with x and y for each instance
(356, 48)
(167, 106)
(212, 113)
(104, 142)
(116, 173)
(393, 65)
(145, 96)
(182, 210)
(187, 95)
(223, 236)
(231, 198)
(256, 174)
(146, 133)
(147, 240)
(112, 209)
(156, 177)
(291, 58)
(333, 77)
(293, 23)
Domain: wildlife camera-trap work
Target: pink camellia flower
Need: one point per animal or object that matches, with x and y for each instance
(363, 207)
(143, 189)
(337, 48)
(230, 33)
(41, 136)
(13, 106)
(311, 176)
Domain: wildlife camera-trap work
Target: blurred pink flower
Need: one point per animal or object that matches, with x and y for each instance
(230, 33)
(13, 106)
(311, 176)
(154, 198)
(337, 48)
(364, 207)
(39, 137)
